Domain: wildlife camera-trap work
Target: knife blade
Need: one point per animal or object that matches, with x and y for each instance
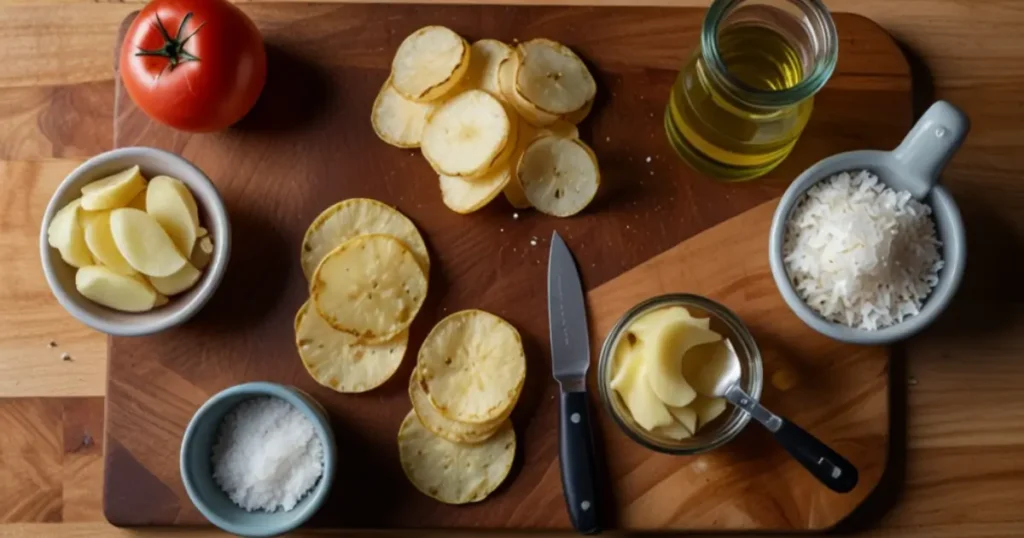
(570, 359)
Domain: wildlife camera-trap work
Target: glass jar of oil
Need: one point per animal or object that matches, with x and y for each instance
(742, 100)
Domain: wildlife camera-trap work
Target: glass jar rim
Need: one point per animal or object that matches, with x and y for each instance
(807, 87)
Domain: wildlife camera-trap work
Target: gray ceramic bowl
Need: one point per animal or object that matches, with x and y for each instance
(914, 166)
(61, 276)
(197, 474)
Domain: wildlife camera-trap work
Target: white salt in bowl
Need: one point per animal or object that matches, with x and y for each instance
(197, 466)
(914, 166)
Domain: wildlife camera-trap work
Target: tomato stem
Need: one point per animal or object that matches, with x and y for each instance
(174, 47)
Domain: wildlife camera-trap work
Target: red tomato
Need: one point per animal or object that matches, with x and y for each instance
(196, 65)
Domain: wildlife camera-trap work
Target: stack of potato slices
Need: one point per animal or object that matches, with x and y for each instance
(367, 267)
(457, 444)
(493, 118)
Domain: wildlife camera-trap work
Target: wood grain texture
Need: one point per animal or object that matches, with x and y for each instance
(307, 145)
(963, 375)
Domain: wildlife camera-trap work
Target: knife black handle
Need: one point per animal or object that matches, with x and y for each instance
(576, 459)
(824, 463)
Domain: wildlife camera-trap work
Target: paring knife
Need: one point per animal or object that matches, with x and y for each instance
(570, 358)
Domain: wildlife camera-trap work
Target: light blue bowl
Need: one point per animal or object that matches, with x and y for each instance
(197, 472)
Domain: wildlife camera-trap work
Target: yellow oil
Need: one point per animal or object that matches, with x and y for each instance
(725, 136)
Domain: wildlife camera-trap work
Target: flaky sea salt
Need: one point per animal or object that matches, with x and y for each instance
(267, 455)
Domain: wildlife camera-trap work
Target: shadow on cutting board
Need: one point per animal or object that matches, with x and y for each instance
(296, 93)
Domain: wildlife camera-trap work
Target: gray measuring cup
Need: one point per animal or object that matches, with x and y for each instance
(914, 166)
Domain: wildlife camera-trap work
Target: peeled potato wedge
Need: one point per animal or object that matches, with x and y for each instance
(429, 63)
(559, 175)
(170, 202)
(146, 246)
(113, 290)
(466, 135)
(506, 82)
(113, 191)
(551, 77)
(182, 280)
(202, 253)
(485, 57)
(100, 241)
(397, 120)
(139, 202)
(65, 234)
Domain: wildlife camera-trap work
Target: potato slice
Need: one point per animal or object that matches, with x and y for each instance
(65, 234)
(202, 253)
(686, 416)
(707, 409)
(113, 191)
(438, 424)
(664, 353)
(353, 217)
(114, 290)
(468, 195)
(171, 203)
(201, 232)
(146, 246)
(552, 77)
(630, 383)
(454, 473)
(561, 128)
(397, 120)
(515, 195)
(429, 63)
(472, 365)
(341, 362)
(506, 82)
(675, 431)
(559, 175)
(485, 57)
(579, 115)
(101, 244)
(370, 286)
(183, 280)
(139, 202)
(466, 135)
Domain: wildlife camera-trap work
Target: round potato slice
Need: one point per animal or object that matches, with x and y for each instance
(465, 196)
(454, 473)
(370, 286)
(144, 244)
(472, 365)
(397, 120)
(507, 84)
(559, 175)
(338, 360)
(485, 57)
(429, 63)
(466, 135)
(353, 217)
(552, 77)
(433, 420)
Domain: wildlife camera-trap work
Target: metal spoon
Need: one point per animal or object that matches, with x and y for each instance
(719, 377)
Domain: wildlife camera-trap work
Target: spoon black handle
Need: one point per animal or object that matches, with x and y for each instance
(824, 463)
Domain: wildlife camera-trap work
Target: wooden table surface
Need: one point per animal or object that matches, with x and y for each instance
(960, 459)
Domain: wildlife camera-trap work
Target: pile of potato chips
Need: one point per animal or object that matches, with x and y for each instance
(368, 269)
(490, 118)
(457, 444)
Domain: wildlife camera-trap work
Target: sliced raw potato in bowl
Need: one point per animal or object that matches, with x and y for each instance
(353, 217)
(473, 366)
(485, 57)
(507, 84)
(551, 77)
(180, 281)
(429, 63)
(113, 191)
(630, 382)
(171, 203)
(202, 253)
(338, 360)
(144, 244)
(466, 135)
(560, 176)
(371, 287)
(100, 241)
(663, 356)
(397, 120)
(454, 473)
(65, 234)
(114, 290)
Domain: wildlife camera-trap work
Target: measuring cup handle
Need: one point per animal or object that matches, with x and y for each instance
(929, 145)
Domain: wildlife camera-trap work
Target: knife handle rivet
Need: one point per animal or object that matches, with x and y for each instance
(585, 505)
(575, 418)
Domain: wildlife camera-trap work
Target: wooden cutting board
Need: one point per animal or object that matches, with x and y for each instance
(309, 144)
